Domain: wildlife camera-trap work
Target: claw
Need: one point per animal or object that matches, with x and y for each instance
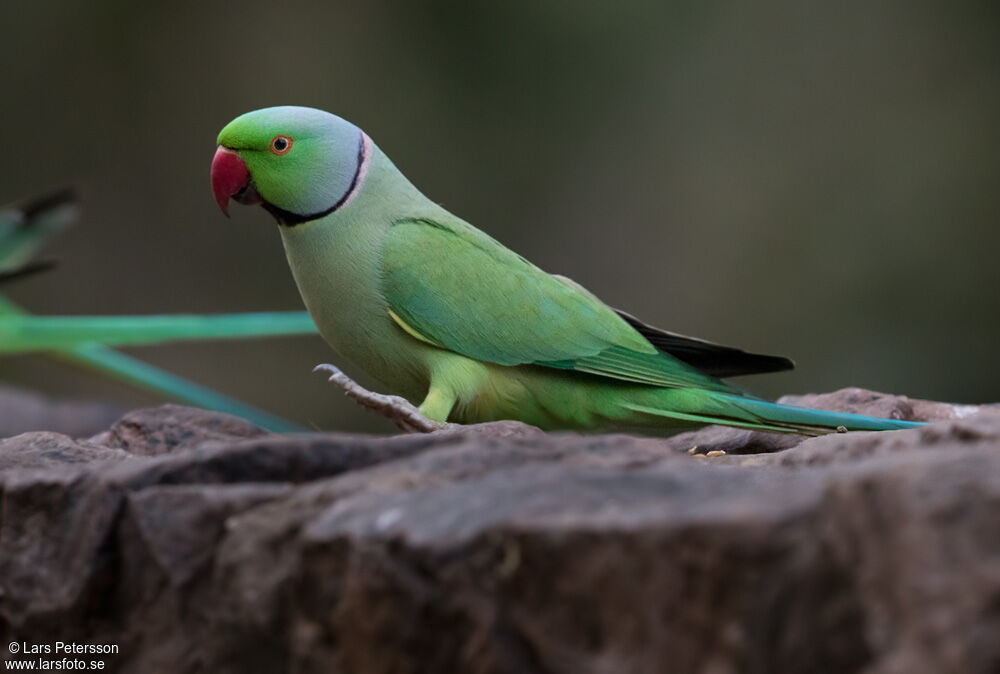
(397, 409)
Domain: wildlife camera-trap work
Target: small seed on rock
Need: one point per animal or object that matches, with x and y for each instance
(511, 559)
(715, 452)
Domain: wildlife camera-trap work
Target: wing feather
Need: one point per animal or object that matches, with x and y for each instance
(458, 288)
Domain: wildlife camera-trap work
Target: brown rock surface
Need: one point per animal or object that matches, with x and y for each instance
(198, 544)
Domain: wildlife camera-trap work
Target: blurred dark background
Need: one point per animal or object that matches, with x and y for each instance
(820, 180)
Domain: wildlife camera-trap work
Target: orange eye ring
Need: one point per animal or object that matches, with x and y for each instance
(280, 145)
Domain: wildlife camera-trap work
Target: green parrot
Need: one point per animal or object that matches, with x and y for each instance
(84, 341)
(439, 312)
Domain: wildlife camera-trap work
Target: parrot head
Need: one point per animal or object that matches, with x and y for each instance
(298, 163)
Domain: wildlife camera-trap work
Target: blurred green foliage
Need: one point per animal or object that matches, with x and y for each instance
(813, 179)
(83, 341)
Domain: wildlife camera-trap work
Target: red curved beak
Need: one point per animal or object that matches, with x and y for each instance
(230, 176)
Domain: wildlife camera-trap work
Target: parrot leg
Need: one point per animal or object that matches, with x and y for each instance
(396, 409)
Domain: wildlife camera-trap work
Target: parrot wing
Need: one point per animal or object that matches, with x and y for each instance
(708, 357)
(456, 288)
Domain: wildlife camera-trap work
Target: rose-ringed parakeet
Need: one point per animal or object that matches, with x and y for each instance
(444, 315)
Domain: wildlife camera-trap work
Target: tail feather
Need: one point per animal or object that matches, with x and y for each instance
(745, 412)
(801, 417)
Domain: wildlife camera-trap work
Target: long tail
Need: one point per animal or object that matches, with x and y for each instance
(756, 414)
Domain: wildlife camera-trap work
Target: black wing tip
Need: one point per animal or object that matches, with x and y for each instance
(728, 362)
(707, 357)
(768, 363)
(29, 269)
(32, 208)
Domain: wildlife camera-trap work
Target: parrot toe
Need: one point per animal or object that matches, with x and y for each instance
(398, 410)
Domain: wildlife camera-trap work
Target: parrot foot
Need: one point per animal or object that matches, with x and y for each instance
(398, 410)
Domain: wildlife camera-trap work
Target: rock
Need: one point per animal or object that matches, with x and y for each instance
(849, 400)
(169, 428)
(885, 406)
(198, 544)
(44, 450)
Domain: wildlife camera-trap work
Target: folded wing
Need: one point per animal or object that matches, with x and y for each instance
(453, 286)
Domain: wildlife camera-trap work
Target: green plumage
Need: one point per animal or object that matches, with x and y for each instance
(444, 314)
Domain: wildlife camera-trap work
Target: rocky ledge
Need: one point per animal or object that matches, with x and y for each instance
(197, 543)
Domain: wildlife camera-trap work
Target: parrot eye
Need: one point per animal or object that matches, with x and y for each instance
(281, 145)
